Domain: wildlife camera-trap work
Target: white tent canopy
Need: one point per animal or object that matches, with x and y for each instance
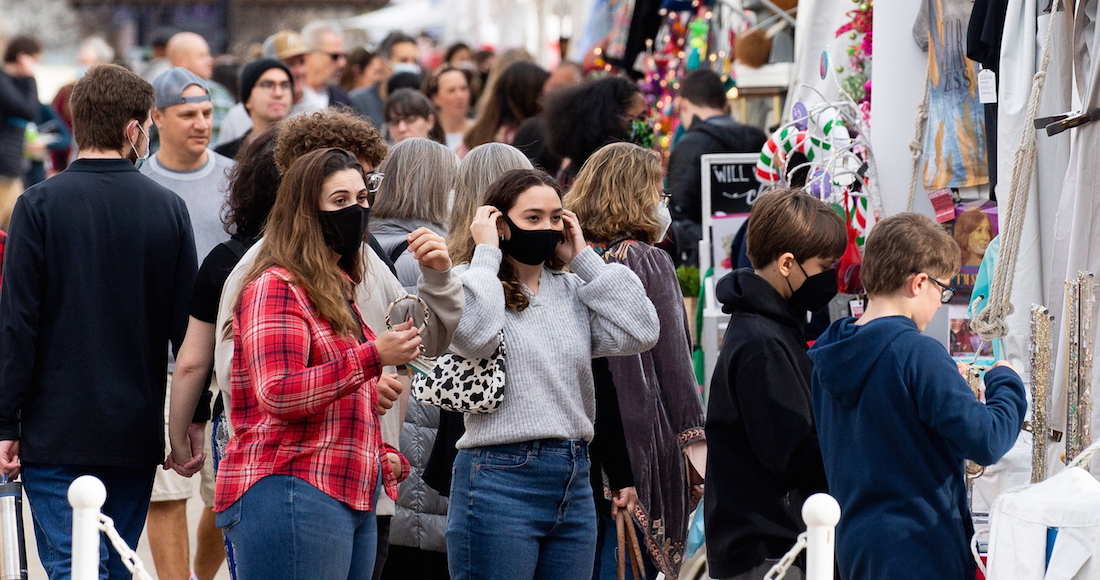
(410, 17)
(531, 24)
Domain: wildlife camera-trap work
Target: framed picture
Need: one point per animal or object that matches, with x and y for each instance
(974, 227)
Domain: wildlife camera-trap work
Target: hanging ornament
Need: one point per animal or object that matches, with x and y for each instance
(800, 115)
(821, 186)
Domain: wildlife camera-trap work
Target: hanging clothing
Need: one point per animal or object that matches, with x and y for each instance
(954, 144)
(1021, 522)
(1076, 236)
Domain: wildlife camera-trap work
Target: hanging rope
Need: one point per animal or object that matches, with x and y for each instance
(916, 145)
(990, 322)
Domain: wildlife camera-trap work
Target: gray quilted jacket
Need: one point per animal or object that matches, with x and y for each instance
(421, 518)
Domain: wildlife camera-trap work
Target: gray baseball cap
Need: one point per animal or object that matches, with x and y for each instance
(169, 87)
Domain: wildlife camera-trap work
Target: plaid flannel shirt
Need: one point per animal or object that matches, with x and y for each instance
(302, 400)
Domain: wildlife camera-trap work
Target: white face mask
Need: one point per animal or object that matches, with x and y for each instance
(406, 67)
(141, 159)
(664, 217)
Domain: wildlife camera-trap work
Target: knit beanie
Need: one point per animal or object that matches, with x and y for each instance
(251, 72)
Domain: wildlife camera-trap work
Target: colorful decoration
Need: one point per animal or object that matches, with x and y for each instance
(771, 167)
(685, 41)
(697, 41)
(800, 116)
(855, 77)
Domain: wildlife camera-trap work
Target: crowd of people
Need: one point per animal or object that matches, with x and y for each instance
(263, 247)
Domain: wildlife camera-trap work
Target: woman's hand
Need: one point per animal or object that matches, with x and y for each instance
(188, 460)
(625, 499)
(395, 464)
(398, 345)
(429, 249)
(572, 242)
(484, 228)
(389, 389)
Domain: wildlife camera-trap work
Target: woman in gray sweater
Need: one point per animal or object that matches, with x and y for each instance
(521, 480)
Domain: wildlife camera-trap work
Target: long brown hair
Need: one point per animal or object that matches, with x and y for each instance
(515, 98)
(502, 194)
(616, 194)
(293, 239)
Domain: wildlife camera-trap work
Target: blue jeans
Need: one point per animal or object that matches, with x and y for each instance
(522, 511)
(283, 527)
(607, 553)
(47, 489)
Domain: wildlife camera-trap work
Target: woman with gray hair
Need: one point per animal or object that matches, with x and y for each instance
(478, 170)
(419, 177)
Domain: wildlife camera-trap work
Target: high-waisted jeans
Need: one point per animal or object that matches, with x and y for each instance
(522, 511)
(283, 527)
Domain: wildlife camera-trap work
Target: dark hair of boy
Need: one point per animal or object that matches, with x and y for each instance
(403, 80)
(906, 244)
(705, 88)
(791, 220)
(103, 102)
(27, 45)
(394, 38)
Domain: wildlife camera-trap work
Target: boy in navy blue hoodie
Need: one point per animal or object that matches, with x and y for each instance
(896, 419)
(764, 460)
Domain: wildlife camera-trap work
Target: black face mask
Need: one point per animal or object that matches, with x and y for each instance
(815, 293)
(531, 247)
(344, 229)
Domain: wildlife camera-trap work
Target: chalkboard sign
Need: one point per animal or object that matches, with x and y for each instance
(729, 183)
(729, 190)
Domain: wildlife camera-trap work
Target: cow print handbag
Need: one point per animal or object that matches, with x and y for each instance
(463, 385)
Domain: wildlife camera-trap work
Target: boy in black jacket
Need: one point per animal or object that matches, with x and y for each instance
(764, 459)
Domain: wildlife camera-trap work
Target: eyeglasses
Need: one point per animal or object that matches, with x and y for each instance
(374, 181)
(666, 194)
(946, 292)
(270, 85)
(409, 120)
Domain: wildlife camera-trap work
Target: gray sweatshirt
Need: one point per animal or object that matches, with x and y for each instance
(598, 309)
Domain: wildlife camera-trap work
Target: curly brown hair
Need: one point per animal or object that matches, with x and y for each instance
(253, 183)
(342, 128)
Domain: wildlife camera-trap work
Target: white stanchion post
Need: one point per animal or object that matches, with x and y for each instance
(821, 513)
(86, 495)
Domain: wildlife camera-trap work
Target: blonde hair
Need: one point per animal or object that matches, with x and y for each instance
(477, 171)
(420, 174)
(616, 194)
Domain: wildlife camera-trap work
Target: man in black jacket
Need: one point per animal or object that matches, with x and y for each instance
(764, 459)
(18, 106)
(704, 113)
(99, 268)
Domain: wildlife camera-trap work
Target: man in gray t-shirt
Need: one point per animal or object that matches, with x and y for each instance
(185, 165)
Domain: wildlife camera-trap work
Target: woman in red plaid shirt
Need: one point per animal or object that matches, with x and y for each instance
(297, 488)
